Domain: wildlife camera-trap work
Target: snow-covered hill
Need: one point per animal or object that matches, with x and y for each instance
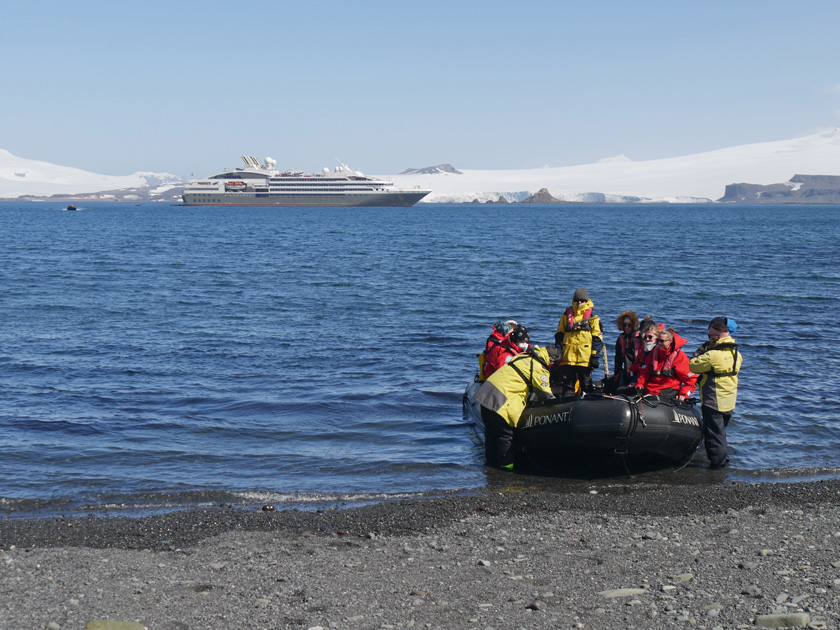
(692, 178)
(699, 177)
(21, 177)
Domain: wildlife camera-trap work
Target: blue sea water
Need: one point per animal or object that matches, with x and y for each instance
(156, 356)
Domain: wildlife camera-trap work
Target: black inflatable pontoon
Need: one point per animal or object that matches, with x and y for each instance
(597, 427)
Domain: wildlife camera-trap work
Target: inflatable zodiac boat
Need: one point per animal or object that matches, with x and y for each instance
(597, 428)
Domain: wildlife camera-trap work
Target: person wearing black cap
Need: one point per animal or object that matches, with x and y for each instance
(717, 362)
(579, 335)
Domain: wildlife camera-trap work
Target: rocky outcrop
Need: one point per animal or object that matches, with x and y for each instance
(799, 189)
(542, 196)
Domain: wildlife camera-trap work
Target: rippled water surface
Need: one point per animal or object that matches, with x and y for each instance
(154, 355)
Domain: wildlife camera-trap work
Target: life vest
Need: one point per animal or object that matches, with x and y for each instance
(529, 380)
(734, 348)
(492, 341)
(637, 348)
(667, 368)
(583, 324)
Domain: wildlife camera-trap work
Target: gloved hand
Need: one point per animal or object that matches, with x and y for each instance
(640, 391)
(594, 362)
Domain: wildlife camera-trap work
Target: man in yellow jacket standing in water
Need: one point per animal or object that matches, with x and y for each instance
(580, 339)
(717, 362)
(503, 398)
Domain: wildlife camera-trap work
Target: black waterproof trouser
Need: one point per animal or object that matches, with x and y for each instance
(570, 375)
(714, 434)
(498, 439)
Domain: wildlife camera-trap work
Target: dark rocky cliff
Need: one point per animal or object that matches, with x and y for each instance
(800, 189)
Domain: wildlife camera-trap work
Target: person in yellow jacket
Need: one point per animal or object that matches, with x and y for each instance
(580, 339)
(503, 397)
(718, 363)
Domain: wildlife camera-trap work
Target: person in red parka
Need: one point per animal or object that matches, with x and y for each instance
(666, 372)
(648, 334)
(499, 347)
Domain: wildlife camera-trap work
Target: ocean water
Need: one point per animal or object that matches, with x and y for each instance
(155, 356)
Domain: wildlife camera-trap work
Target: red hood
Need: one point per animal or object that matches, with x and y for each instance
(497, 335)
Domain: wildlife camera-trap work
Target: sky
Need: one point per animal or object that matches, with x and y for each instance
(187, 87)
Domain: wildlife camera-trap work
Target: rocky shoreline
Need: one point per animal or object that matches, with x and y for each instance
(641, 555)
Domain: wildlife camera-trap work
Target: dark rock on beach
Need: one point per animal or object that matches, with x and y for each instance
(617, 555)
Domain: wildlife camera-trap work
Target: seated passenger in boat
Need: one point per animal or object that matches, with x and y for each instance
(628, 346)
(499, 348)
(666, 372)
(648, 333)
(503, 398)
(521, 337)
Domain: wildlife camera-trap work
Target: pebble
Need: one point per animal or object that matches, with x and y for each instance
(621, 592)
(753, 590)
(789, 620)
(105, 624)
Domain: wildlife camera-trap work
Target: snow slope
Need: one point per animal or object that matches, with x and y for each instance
(699, 177)
(21, 176)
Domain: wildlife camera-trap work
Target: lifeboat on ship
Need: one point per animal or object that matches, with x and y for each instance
(600, 432)
(235, 186)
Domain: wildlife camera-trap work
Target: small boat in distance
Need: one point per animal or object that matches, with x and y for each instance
(72, 206)
(261, 185)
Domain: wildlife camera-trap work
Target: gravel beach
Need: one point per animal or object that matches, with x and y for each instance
(627, 555)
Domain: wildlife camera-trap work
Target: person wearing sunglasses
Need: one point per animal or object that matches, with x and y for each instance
(718, 363)
(648, 333)
(579, 335)
(666, 372)
(627, 347)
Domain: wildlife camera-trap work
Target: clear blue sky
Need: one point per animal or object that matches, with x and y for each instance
(189, 86)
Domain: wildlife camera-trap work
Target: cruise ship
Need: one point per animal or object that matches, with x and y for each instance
(262, 185)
